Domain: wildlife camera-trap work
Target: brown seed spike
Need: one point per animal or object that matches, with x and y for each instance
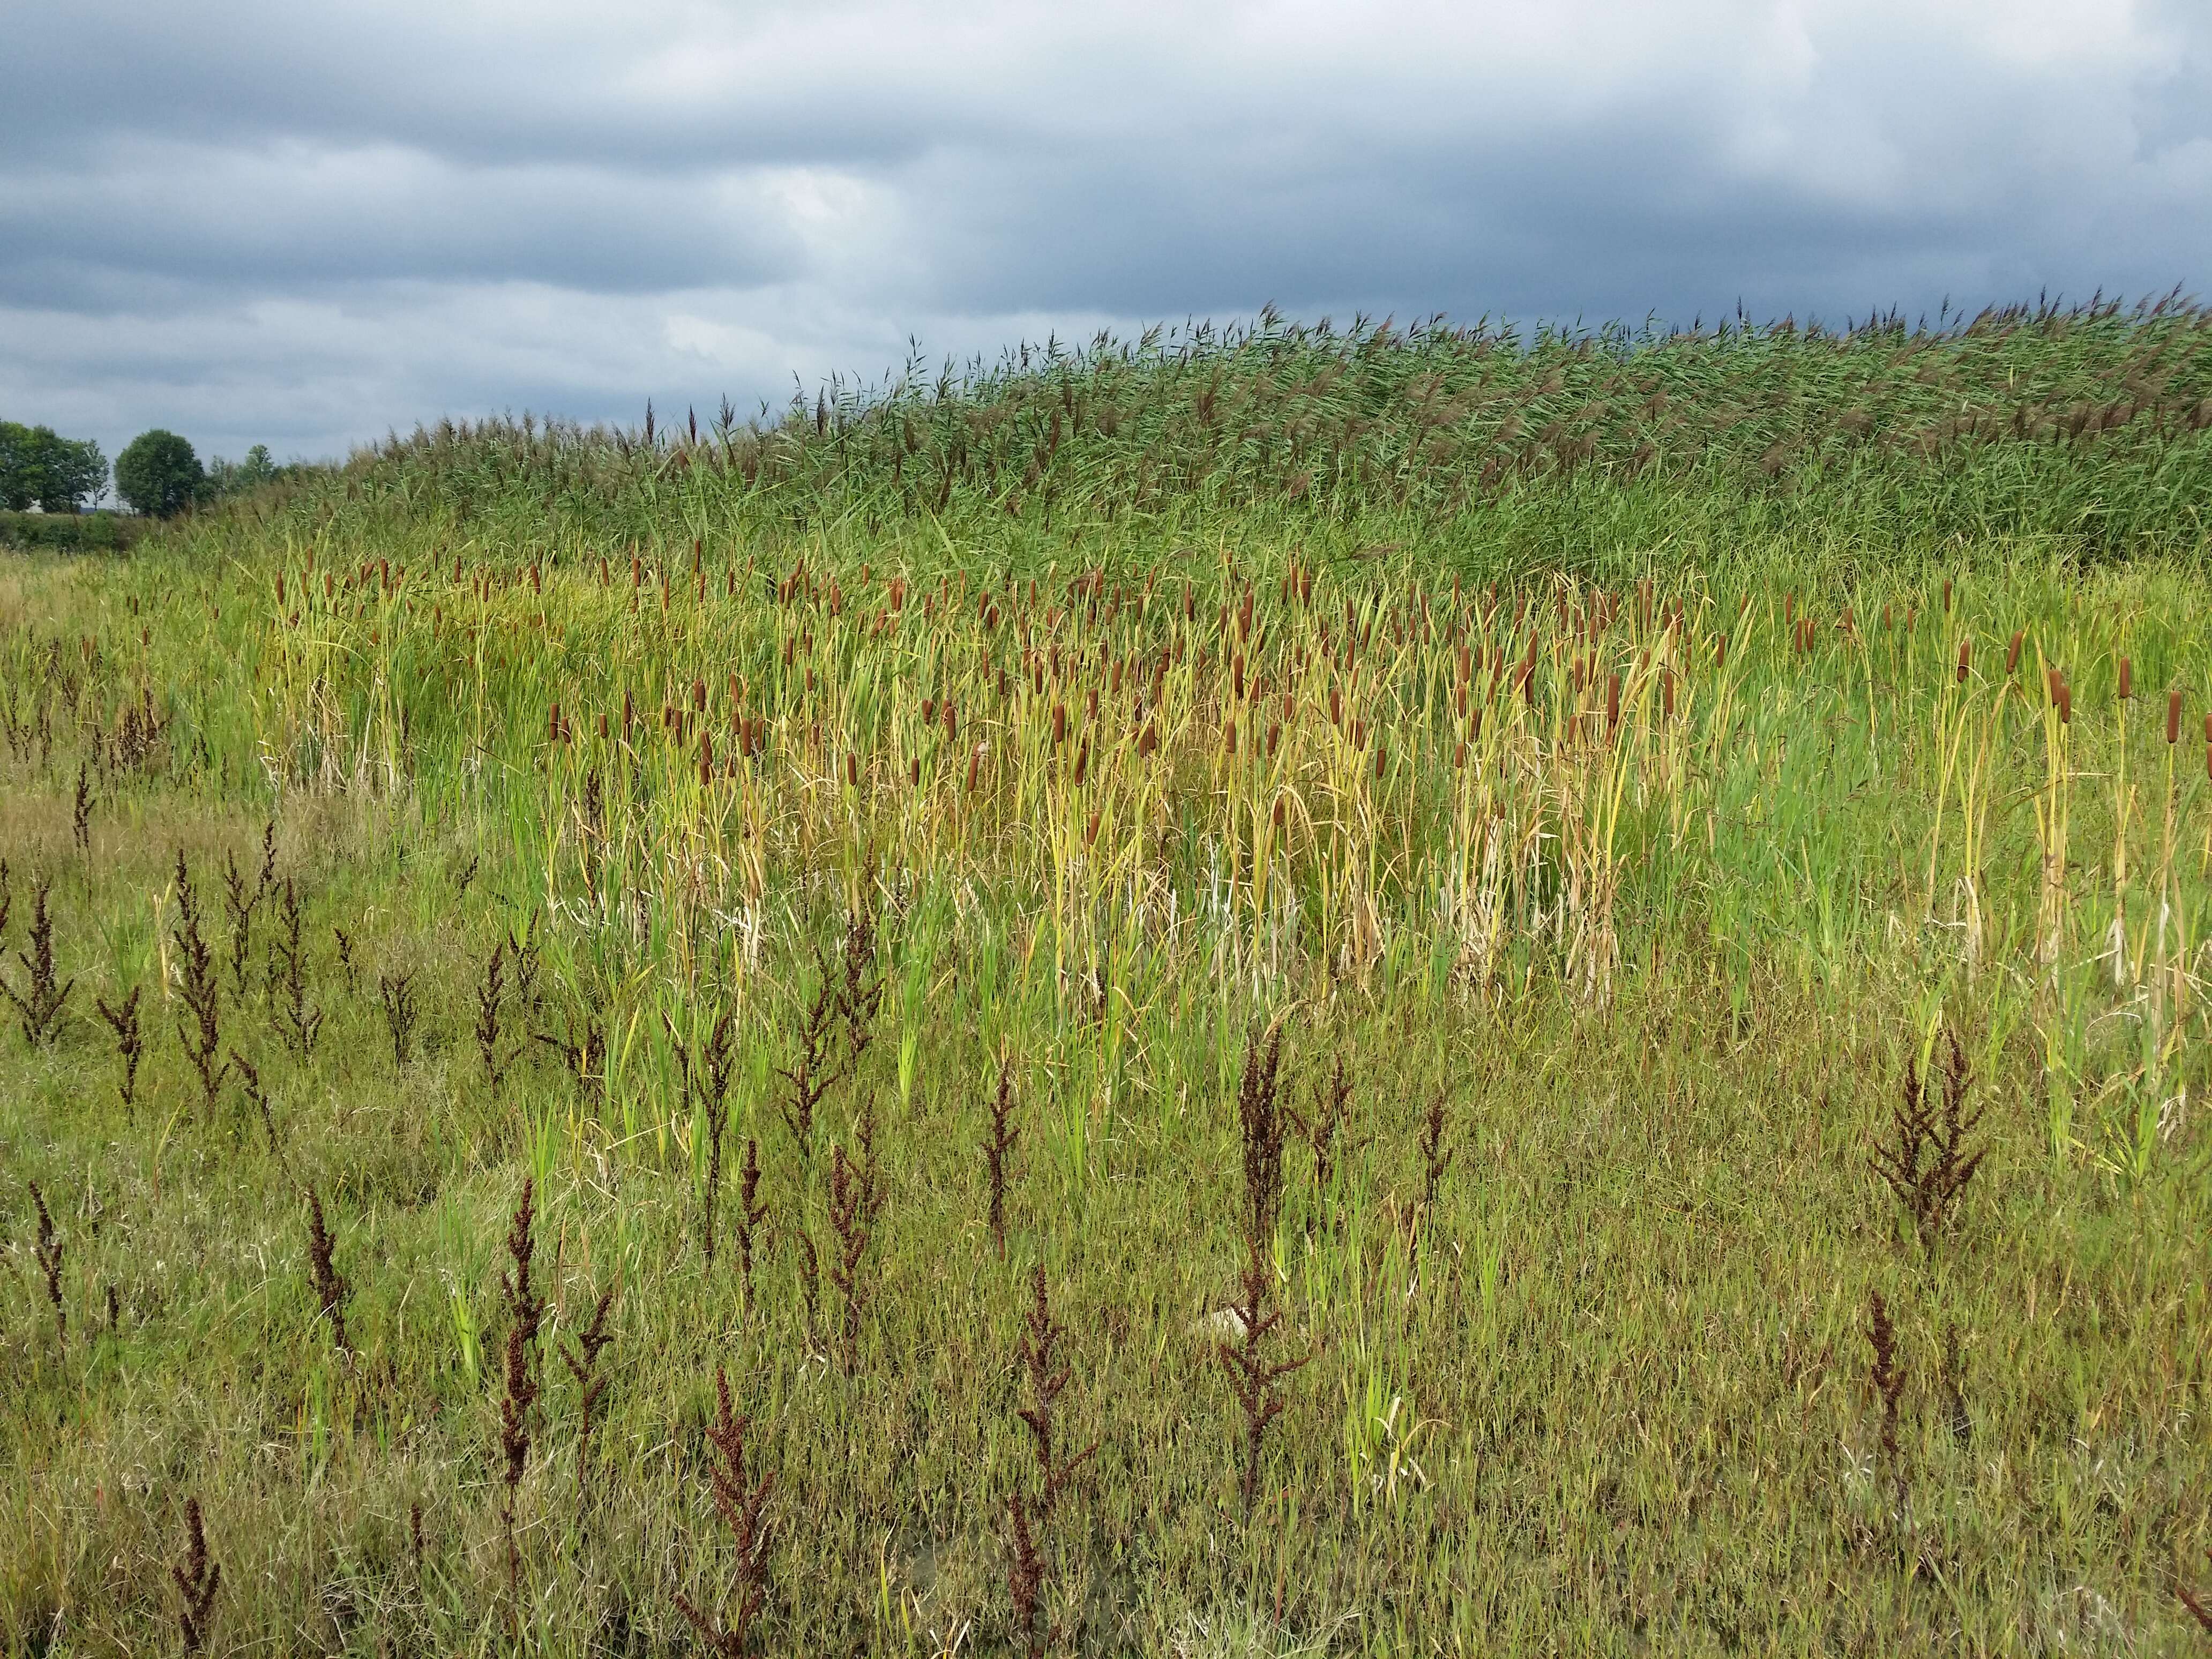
(2127, 679)
(2172, 718)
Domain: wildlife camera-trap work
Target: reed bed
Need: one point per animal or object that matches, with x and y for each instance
(1596, 1049)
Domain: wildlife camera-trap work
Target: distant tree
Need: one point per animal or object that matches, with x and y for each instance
(18, 491)
(226, 478)
(158, 474)
(38, 464)
(75, 474)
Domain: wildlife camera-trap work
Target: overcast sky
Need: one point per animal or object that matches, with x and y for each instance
(303, 225)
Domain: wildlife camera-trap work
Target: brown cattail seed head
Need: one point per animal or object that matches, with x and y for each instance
(2012, 653)
(2127, 678)
(2172, 717)
(1965, 657)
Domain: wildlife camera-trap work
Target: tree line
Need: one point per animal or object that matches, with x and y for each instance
(158, 474)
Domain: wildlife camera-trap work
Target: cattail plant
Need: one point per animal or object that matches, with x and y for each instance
(1925, 1161)
(1253, 1373)
(39, 1004)
(46, 1250)
(198, 1022)
(124, 1022)
(196, 1578)
(1003, 1136)
(330, 1287)
(524, 1309)
(742, 1504)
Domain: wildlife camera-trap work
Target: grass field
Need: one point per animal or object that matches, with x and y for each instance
(1279, 991)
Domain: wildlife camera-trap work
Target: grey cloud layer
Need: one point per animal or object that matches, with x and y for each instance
(302, 227)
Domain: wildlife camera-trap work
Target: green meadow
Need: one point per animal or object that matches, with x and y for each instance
(1286, 990)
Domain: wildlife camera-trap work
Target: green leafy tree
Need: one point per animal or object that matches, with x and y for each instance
(17, 488)
(38, 464)
(75, 474)
(226, 478)
(158, 474)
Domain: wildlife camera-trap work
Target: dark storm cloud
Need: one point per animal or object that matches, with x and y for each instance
(286, 217)
(302, 226)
